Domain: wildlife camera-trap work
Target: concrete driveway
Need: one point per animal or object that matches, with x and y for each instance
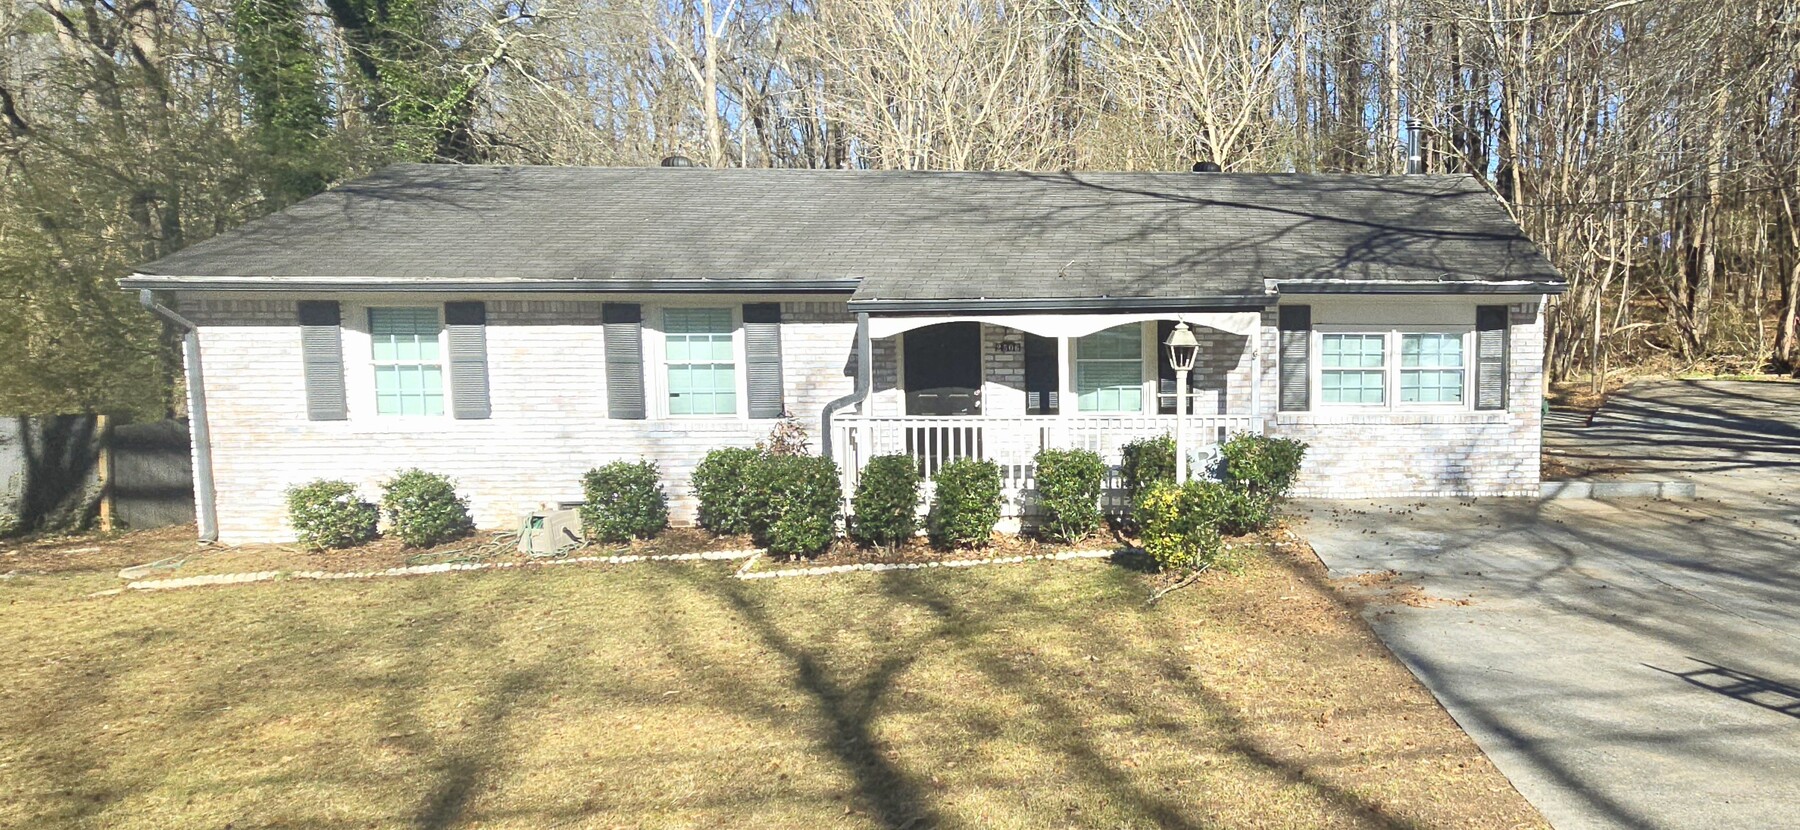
(1625, 663)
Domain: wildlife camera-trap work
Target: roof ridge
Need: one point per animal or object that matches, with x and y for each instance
(689, 171)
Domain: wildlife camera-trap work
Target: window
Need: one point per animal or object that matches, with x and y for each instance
(1352, 369)
(1431, 368)
(409, 379)
(1043, 377)
(1109, 368)
(701, 359)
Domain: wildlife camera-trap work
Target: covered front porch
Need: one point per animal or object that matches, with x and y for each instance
(1003, 387)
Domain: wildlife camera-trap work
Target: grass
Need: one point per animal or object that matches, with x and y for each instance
(674, 696)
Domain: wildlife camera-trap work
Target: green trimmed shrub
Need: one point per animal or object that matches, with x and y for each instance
(1264, 466)
(719, 484)
(885, 509)
(328, 514)
(1179, 525)
(1068, 490)
(794, 503)
(1232, 508)
(967, 503)
(1147, 461)
(625, 501)
(423, 508)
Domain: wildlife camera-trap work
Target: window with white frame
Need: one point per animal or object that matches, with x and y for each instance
(1109, 370)
(1431, 368)
(409, 372)
(701, 358)
(1353, 368)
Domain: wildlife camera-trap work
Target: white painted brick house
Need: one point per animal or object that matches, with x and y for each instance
(515, 327)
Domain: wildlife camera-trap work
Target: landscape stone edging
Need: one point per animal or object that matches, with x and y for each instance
(417, 570)
(877, 567)
(1617, 490)
(749, 557)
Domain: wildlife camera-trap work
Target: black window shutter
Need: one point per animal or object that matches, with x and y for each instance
(624, 342)
(1295, 324)
(1490, 357)
(322, 355)
(762, 359)
(466, 324)
(1042, 377)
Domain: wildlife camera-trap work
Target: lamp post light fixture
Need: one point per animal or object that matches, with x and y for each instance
(1183, 349)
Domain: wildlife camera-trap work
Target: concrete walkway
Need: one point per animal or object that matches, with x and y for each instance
(1625, 663)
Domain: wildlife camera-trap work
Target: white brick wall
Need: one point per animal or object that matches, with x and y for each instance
(546, 370)
(1003, 370)
(1403, 454)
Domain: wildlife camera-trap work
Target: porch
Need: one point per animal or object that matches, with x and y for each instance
(1012, 442)
(1002, 388)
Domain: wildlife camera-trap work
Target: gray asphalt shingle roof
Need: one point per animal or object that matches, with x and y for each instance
(899, 235)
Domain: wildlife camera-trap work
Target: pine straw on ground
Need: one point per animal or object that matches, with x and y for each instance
(670, 695)
(847, 552)
(110, 553)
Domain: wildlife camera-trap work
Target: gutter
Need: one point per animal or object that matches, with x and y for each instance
(205, 498)
(865, 363)
(1331, 286)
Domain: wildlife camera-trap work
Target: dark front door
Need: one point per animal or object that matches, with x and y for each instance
(943, 370)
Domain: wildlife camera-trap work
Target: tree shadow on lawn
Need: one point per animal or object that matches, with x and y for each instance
(453, 763)
(472, 649)
(848, 704)
(374, 661)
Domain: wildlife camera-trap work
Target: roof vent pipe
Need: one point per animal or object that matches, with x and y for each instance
(677, 161)
(1415, 151)
(1206, 167)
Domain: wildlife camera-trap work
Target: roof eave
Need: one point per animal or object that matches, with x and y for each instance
(1415, 287)
(1074, 305)
(346, 285)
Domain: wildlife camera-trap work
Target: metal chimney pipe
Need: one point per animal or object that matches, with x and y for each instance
(1415, 152)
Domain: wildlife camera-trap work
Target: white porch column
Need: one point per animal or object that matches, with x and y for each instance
(1065, 388)
(1256, 376)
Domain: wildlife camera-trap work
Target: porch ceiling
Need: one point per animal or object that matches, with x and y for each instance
(1244, 323)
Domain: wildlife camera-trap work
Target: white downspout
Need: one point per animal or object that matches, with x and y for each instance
(865, 362)
(205, 499)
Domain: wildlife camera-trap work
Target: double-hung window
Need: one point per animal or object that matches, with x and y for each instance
(1431, 368)
(702, 361)
(1109, 370)
(1353, 369)
(1397, 368)
(409, 372)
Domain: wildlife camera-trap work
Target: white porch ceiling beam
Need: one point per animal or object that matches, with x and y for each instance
(1243, 323)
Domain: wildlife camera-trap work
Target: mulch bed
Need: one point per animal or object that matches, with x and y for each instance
(847, 552)
(113, 552)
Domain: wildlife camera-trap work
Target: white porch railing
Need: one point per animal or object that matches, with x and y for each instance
(1012, 441)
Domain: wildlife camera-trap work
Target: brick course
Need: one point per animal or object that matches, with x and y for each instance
(549, 425)
(546, 371)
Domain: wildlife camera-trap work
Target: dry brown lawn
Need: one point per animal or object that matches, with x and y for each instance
(670, 695)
